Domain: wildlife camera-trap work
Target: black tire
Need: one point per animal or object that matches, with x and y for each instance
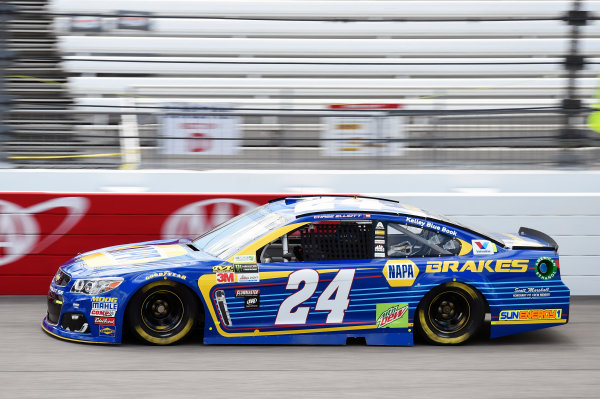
(162, 313)
(450, 314)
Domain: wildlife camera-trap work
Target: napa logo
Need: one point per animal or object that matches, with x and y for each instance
(400, 273)
(483, 247)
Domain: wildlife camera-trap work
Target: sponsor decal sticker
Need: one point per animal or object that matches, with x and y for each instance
(379, 248)
(379, 241)
(430, 225)
(530, 314)
(379, 255)
(222, 268)
(545, 268)
(342, 216)
(104, 306)
(228, 277)
(107, 331)
(246, 292)
(379, 232)
(56, 291)
(166, 274)
(491, 266)
(104, 320)
(483, 247)
(251, 297)
(103, 313)
(531, 292)
(392, 315)
(246, 268)
(379, 226)
(244, 258)
(248, 277)
(400, 273)
(104, 299)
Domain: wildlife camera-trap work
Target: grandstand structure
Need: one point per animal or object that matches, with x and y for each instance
(474, 84)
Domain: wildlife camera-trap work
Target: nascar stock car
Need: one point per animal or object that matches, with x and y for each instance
(314, 270)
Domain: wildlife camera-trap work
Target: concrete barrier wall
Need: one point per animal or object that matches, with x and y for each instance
(563, 204)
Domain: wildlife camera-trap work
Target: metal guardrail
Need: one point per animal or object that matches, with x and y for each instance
(138, 137)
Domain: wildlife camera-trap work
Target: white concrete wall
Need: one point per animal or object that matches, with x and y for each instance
(563, 204)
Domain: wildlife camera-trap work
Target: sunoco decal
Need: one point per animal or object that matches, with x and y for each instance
(107, 331)
(392, 315)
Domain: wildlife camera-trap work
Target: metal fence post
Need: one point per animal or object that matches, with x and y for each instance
(570, 137)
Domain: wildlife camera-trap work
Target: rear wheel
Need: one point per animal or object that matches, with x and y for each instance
(450, 314)
(162, 313)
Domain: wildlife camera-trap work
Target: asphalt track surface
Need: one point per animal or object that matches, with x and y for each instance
(560, 362)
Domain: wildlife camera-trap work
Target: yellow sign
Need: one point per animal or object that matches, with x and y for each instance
(400, 273)
(594, 118)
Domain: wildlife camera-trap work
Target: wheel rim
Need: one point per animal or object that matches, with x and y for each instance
(449, 312)
(162, 311)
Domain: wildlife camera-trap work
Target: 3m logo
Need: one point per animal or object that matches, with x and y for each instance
(400, 273)
(225, 277)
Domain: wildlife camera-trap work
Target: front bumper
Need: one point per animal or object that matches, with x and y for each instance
(75, 317)
(58, 332)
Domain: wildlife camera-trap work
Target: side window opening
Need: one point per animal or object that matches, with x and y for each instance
(327, 240)
(404, 241)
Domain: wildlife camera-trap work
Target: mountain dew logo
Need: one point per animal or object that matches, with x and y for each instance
(392, 315)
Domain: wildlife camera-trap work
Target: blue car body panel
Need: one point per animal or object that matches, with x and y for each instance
(266, 306)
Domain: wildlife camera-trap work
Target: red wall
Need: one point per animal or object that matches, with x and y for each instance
(40, 231)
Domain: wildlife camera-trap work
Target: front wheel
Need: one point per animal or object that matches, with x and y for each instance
(162, 313)
(450, 314)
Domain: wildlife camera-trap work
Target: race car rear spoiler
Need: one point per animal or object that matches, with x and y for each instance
(551, 244)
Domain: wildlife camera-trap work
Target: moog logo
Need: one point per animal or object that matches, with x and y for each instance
(20, 231)
(199, 217)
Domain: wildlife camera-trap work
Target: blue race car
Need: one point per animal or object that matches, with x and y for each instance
(314, 270)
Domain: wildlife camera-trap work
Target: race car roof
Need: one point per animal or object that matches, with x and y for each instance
(304, 205)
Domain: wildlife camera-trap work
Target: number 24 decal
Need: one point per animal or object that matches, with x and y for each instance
(340, 286)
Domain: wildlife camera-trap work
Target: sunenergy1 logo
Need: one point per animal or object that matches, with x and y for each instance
(400, 273)
(531, 314)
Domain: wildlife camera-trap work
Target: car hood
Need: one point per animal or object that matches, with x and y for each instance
(151, 255)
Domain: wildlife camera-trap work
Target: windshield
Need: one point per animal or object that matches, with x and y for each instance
(227, 239)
